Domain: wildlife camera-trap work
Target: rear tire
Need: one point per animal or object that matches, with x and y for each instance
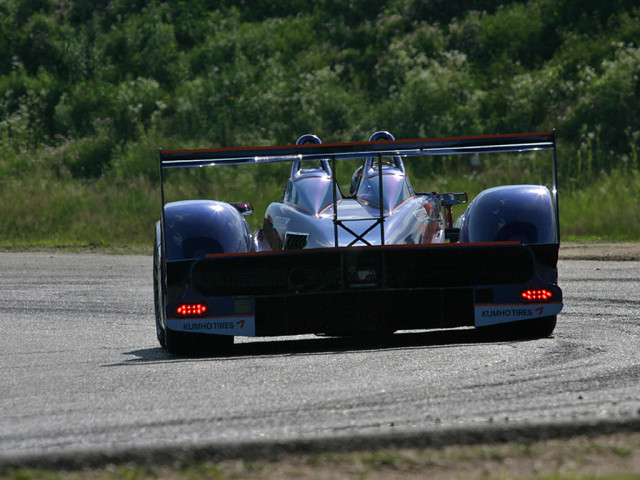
(522, 330)
(157, 299)
(160, 331)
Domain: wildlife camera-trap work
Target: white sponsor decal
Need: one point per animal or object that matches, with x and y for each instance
(494, 314)
(234, 325)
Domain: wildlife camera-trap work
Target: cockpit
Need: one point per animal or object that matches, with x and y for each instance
(368, 180)
(395, 184)
(310, 189)
(310, 186)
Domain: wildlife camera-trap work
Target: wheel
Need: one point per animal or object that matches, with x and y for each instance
(182, 343)
(542, 328)
(525, 329)
(160, 332)
(157, 300)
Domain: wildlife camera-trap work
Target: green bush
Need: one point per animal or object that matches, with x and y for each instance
(83, 108)
(89, 157)
(609, 104)
(434, 99)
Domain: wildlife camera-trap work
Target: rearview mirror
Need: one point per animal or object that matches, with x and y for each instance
(245, 209)
(453, 198)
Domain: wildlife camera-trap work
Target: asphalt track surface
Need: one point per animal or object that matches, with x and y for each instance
(82, 378)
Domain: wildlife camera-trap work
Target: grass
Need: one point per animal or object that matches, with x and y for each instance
(43, 209)
(611, 457)
(604, 210)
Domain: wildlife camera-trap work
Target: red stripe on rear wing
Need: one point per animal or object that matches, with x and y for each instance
(419, 147)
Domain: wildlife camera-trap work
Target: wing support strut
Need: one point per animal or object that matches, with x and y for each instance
(340, 223)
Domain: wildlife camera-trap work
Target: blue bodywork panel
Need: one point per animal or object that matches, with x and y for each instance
(195, 228)
(522, 213)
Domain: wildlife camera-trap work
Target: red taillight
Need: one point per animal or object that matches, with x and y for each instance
(536, 295)
(192, 310)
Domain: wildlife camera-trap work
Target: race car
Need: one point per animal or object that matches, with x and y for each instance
(372, 261)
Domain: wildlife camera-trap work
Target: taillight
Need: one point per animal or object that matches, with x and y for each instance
(191, 310)
(536, 295)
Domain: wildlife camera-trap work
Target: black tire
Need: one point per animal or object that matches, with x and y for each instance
(157, 299)
(160, 332)
(522, 330)
(181, 343)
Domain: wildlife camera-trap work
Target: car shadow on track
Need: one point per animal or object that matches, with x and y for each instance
(309, 345)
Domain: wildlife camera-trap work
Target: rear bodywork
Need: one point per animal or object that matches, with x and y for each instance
(379, 259)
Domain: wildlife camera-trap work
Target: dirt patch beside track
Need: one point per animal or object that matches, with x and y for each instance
(613, 251)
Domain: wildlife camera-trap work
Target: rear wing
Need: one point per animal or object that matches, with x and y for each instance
(522, 142)
(419, 147)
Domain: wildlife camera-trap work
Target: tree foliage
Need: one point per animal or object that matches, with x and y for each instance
(92, 80)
